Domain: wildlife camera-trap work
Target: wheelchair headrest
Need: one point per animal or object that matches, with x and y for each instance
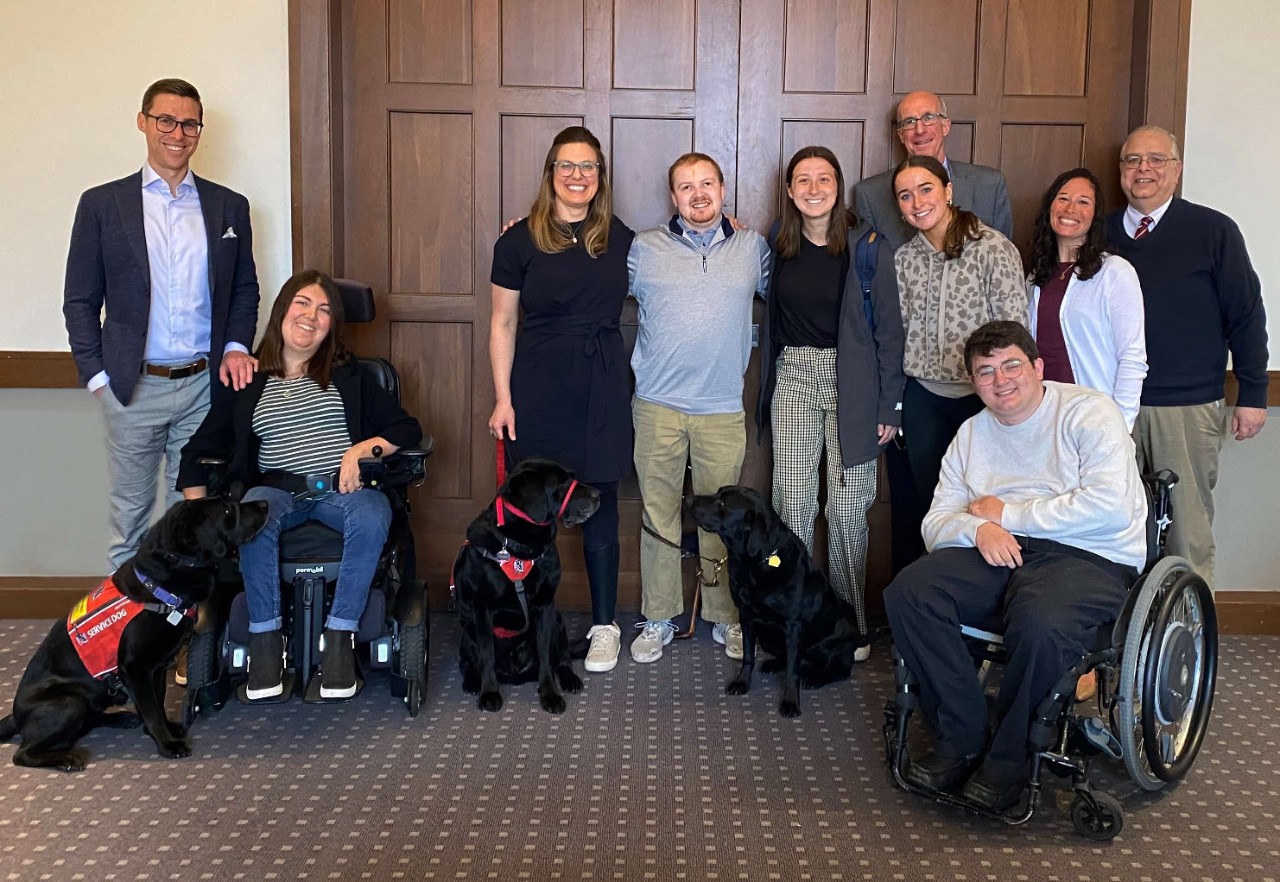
(357, 300)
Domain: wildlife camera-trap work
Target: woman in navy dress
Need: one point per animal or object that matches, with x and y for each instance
(561, 383)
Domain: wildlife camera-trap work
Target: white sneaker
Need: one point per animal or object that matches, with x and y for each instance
(606, 640)
(648, 646)
(862, 653)
(730, 636)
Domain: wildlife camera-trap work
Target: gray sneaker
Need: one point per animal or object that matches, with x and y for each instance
(606, 640)
(653, 636)
(731, 636)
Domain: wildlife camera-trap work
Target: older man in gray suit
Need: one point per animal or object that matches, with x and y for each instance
(922, 125)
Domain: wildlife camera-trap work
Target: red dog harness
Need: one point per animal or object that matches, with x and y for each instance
(96, 624)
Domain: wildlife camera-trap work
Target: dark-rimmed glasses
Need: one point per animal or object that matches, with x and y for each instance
(190, 127)
(1012, 369)
(928, 119)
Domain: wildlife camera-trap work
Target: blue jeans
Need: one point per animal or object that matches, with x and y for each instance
(363, 518)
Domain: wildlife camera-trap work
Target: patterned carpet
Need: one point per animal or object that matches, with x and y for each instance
(653, 773)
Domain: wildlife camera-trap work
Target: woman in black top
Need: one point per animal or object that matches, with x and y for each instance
(833, 371)
(561, 384)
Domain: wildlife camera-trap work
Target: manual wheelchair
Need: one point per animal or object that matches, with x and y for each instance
(1156, 668)
(393, 624)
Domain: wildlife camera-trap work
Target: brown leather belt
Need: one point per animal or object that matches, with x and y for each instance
(175, 373)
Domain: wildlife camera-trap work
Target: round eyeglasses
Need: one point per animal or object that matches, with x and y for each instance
(1012, 369)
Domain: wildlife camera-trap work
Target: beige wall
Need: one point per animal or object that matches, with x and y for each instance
(74, 72)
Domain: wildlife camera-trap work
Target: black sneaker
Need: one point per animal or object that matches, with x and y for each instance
(266, 665)
(338, 664)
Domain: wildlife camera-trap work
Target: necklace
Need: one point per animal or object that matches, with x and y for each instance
(574, 230)
(1066, 270)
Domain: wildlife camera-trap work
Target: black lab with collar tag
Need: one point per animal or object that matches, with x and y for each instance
(505, 579)
(59, 700)
(784, 601)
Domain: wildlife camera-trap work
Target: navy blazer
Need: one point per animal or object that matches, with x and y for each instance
(975, 188)
(107, 266)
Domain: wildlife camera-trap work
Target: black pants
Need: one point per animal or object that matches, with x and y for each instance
(929, 423)
(1052, 606)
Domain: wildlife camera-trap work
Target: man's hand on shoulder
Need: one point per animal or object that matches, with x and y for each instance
(989, 508)
(998, 547)
(1247, 422)
(237, 369)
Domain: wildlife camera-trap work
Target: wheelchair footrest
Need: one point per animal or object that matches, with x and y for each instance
(288, 681)
(313, 695)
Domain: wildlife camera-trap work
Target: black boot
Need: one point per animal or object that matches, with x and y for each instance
(266, 665)
(602, 574)
(338, 664)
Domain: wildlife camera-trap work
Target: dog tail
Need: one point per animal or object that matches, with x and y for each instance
(8, 728)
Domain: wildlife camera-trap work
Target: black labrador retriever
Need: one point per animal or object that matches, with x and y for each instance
(784, 600)
(147, 606)
(504, 581)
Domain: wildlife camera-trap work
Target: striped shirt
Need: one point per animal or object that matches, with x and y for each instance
(303, 429)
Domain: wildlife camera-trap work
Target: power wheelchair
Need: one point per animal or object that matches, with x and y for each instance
(394, 623)
(1156, 668)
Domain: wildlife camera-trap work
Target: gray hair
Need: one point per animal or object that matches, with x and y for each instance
(1156, 130)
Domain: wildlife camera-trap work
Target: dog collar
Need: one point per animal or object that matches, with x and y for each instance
(170, 605)
(501, 504)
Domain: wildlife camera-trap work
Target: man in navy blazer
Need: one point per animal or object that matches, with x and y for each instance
(922, 125)
(161, 305)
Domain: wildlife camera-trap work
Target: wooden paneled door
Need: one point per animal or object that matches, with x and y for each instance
(420, 125)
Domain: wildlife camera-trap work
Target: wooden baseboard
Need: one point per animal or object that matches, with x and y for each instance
(49, 597)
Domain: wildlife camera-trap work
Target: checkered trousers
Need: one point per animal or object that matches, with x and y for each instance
(804, 426)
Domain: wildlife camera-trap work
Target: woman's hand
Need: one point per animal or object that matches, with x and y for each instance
(349, 471)
(502, 420)
(886, 433)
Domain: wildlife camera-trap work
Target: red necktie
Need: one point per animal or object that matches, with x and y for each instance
(1143, 228)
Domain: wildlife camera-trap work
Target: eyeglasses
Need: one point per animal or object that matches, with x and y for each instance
(167, 124)
(929, 119)
(564, 168)
(1012, 369)
(1155, 160)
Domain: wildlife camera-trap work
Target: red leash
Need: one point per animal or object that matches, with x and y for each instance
(501, 465)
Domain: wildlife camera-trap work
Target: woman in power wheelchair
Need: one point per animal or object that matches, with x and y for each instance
(308, 436)
(1156, 667)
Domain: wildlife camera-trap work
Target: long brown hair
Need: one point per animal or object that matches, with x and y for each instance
(791, 224)
(964, 224)
(551, 236)
(1044, 249)
(332, 349)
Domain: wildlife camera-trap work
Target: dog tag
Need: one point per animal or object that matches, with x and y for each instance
(774, 560)
(174, 617)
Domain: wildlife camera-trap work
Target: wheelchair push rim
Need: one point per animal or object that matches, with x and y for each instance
(1168, 673)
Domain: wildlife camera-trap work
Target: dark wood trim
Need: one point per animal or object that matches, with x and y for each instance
(1248, 612)
(56, 370)
(37, 370)
(41, 597)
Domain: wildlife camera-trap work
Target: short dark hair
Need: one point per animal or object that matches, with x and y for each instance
(332, 351)
(999, 335)
(171, 86)
(691, 159)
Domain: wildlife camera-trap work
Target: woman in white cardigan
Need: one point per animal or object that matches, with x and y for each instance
(1086, 309)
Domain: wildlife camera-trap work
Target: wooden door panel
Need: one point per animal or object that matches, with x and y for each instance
(653, 44)
(542, 43)
(936, 46)
(434, 360)
(825, 46)
(429, 41)
(1046, 47)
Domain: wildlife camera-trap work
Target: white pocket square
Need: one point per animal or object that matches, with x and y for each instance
(230, 233)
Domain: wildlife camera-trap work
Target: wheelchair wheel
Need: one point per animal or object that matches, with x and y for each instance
(413, 664)
(1167, 675)
(202, 675)
(1097, 816)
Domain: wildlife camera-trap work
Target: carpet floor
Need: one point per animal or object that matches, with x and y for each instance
(652, 774)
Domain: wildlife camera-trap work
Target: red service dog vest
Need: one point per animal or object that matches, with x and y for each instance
(95, 625)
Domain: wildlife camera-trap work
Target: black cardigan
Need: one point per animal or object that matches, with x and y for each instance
(227, 430)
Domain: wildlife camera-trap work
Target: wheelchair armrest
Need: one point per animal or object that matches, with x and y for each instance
(406, 466)
(215, 474)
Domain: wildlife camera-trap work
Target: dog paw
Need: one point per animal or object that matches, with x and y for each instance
(552, 702)
(736, 687)
(177, 748)
(570, 682)
(73, 761)
(490, 701)
(772, 666)
(789, 709)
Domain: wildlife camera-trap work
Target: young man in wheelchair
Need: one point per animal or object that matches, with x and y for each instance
(1037, 525)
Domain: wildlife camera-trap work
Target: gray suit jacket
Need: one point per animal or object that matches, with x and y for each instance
(976, 188)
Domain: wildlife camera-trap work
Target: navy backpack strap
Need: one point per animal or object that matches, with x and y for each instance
(865, 261)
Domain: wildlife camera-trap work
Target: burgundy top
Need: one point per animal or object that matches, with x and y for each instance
(1049, 339)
